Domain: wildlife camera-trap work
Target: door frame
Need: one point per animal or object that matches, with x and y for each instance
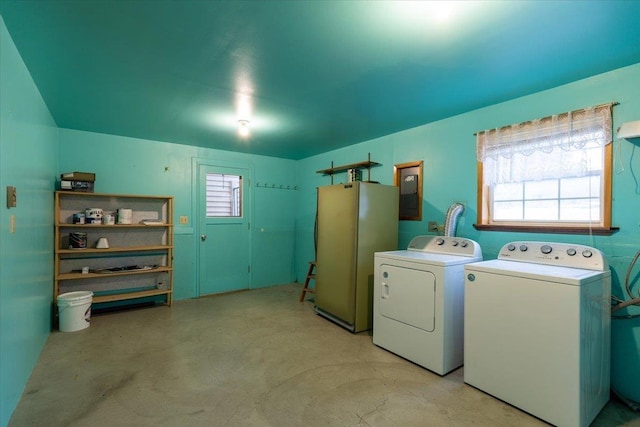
(196, 162)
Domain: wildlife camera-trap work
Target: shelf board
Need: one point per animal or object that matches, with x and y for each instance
(67, 225)
(130, 295)
(113, 250)
(359, 165)
(77, 276)
(103, 195)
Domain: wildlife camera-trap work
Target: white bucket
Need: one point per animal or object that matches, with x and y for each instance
(74, 310)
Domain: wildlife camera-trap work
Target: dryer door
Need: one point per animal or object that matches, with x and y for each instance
(408, 296)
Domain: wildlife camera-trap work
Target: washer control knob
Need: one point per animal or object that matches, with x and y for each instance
(523, 248)
(571, 252)
(464, 244)
(439, 241)
(511, 247)
(546, 249)
(587, 253)
(455, 243)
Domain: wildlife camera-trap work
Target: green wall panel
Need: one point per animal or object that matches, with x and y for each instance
(28, 151)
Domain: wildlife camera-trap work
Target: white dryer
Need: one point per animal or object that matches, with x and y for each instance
(537, 330)
(418, 300)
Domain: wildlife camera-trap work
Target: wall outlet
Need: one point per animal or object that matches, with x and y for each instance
(184, 220)
(432, 226)
(12, 200)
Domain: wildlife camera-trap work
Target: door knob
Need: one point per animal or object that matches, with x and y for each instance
(203, 237)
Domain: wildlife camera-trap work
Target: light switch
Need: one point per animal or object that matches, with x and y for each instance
(12, 200)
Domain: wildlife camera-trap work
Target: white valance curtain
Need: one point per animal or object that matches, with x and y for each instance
(552, 147)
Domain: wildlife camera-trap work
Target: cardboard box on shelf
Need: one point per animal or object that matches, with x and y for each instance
(78, 176)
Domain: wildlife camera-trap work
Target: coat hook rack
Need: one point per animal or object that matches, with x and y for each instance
(275, 186)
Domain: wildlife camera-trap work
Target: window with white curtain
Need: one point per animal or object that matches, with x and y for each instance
(223, 195)
(549, 172)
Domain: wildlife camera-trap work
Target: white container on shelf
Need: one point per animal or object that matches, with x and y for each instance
(125, 216)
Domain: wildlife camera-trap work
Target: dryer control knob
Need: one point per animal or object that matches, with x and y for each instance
(546, 249)
(571, 252)
(455, 243)
(511, 247)
(440, 241)
(523, 248)
(587, 253)
(464, 244)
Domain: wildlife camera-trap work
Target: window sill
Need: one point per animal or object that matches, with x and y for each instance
(597, 231)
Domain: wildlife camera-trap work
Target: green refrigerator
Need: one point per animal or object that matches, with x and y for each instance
(355, 220)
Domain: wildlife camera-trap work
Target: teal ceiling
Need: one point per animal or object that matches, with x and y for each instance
(310, 76)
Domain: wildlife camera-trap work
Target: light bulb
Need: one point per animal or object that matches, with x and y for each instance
(243, 129)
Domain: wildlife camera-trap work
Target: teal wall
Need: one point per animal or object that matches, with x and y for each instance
(28, 152)
(447, 148)
(136, 166)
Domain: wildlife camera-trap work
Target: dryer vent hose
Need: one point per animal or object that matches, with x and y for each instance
(451, 221)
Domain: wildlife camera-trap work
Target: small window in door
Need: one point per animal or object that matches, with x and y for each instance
(224, 195)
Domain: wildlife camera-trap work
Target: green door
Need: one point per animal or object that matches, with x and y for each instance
(224, 229)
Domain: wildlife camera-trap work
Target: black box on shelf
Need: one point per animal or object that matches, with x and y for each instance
(84, 186)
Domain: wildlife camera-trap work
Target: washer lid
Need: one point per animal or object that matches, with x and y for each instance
(427, 258)
(549, 273)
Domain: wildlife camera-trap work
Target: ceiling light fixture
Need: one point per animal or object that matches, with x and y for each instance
(243, 128)
(442, 10)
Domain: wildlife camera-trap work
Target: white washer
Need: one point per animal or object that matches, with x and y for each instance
(537, 330)
(418, 300)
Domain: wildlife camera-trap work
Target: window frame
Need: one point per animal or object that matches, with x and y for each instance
(604, 228)
(398, 171)
(232, 199)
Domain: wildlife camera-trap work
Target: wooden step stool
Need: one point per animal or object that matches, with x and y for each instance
(310, 276)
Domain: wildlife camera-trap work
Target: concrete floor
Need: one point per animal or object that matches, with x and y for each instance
(257, 358)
